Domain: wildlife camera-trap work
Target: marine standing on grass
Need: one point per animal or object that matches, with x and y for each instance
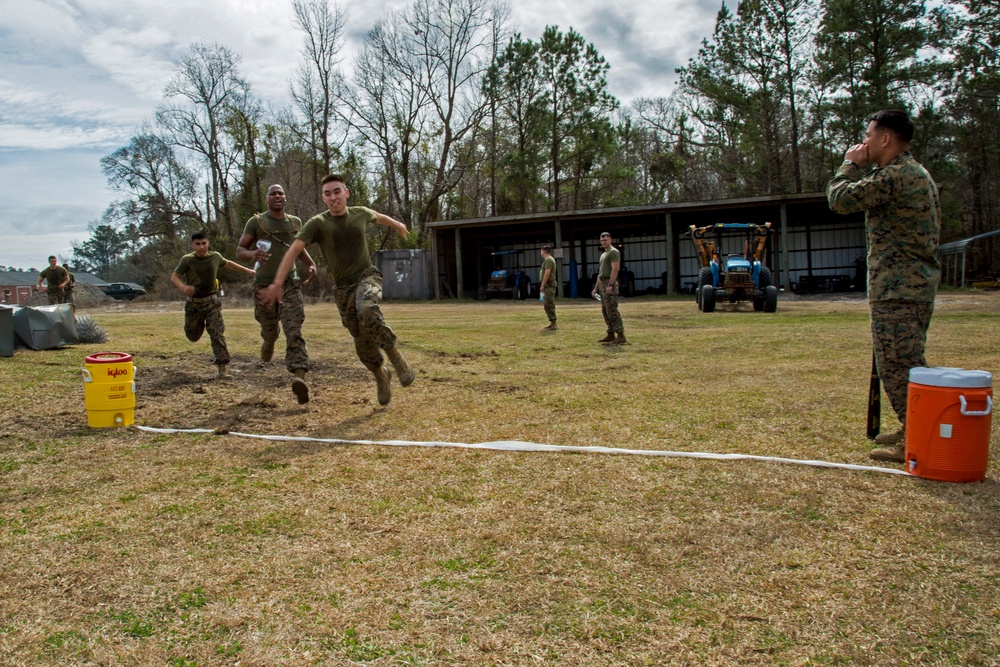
(196, 276)
(903, 226)
(549, 280)
(56, 278)
(276, 229)
(607, 286)
(340, 233)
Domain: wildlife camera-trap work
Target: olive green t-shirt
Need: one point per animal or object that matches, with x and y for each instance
(280, 233)
(342, 240)
(609, 256)
(54, 276)
(201, 272)
(549, 263)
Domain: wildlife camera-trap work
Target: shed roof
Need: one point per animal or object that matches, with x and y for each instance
(624, 211)
(958, 247)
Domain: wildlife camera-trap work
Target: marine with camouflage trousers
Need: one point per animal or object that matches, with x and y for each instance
(266, 238)
(903, 227)
(196, 276)
(70, 284)
(607, 287)
(340, 233)
(56, 278)
(548, 277)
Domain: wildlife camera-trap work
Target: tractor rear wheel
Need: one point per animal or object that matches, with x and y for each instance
(765, 278)
(707, 299)
(770, 299)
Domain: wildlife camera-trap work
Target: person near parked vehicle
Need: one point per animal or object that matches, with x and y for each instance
(903, 228)
(68, 289)
(340, 233)
(196, 276)
(548, 283)
(56, 279)
(607, 288)
(266, 238)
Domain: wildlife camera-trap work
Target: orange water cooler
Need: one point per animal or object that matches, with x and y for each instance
(948, 418)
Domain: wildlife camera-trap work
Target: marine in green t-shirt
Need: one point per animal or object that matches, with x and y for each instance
(266, 238)
(196, 277)
(607, 285)
(548, 278)
(56, 278)
(340, 233)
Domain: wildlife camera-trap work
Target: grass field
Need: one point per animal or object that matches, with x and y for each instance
(123, 547)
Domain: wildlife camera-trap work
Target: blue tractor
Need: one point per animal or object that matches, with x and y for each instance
(734, 278)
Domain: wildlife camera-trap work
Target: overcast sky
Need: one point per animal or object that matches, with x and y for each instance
(78, 76)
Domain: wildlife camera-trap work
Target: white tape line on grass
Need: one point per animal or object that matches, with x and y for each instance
(518, 446)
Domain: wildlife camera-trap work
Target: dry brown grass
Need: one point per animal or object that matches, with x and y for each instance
(128, 548)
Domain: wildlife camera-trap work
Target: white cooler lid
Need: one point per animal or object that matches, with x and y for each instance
(942, 376)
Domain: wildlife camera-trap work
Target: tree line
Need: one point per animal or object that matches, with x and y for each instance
(447, 112)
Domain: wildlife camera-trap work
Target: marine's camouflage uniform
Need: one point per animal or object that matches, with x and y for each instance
(361, 315)
(609, 306)
(549, 288)
(903, 226)
(290, 313)
(206, 313)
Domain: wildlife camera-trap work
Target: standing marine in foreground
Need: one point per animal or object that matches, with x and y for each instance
(903, 226)
(266, 238)
(340, 233)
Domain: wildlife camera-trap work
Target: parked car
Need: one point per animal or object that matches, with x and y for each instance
(123, 291)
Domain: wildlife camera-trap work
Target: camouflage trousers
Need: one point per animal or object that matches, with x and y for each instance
(899, 333)
(609, 307)
(360, 314)
(549, 302)
(68, 293)
(206, 313)
(56, 295)
(290, 313)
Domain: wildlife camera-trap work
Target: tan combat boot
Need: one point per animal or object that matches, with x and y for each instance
(620, 340)
(403, 368)
(552, 327)
(891, 438)
(892, 454)
(610, 338)
(266, 350)
(383, 380)
(299, 386)
(222, 371)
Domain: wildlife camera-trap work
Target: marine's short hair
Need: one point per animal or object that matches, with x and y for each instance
(895, 121)
(603, 234)
(52, 257)
(547, 249)
(329, 178)
(197, 236)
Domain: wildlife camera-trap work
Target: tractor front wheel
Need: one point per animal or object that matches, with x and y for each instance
(707, 299)
(704, 278)
(770, 299)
